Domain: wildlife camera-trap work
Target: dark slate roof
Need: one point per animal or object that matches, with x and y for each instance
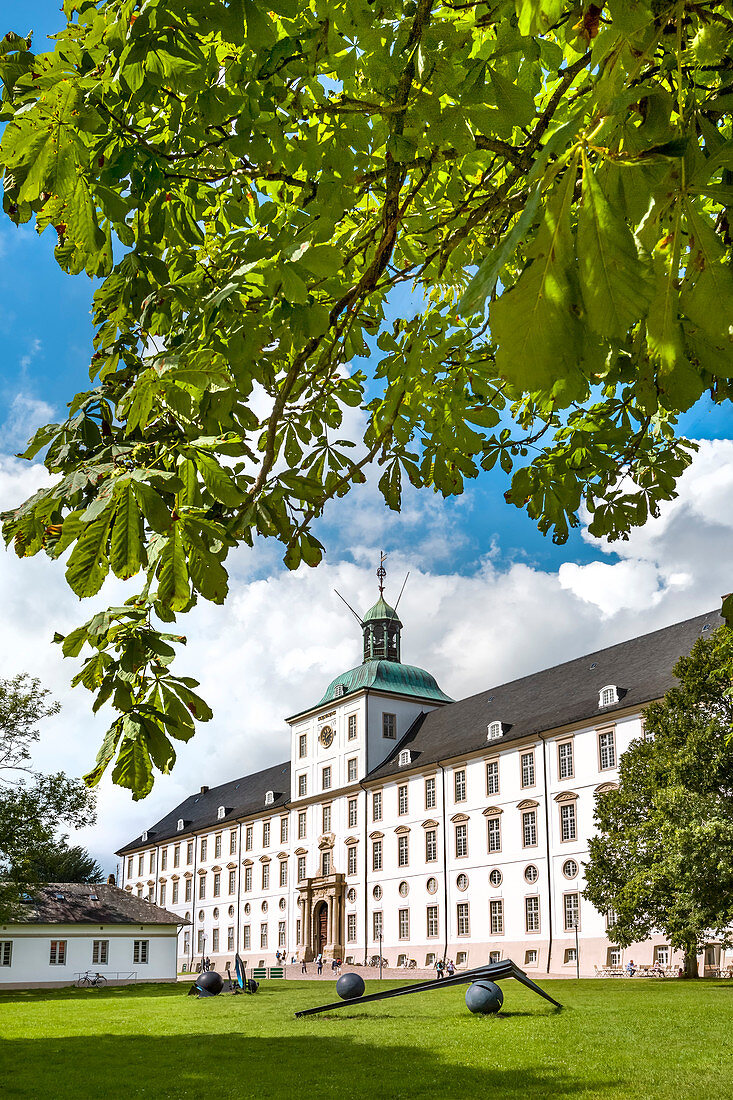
(239, 798)
(89, 903)
(640, 668)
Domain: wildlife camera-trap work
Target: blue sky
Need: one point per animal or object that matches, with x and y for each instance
(489, 598)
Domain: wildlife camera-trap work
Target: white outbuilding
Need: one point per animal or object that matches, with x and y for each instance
(64, 930)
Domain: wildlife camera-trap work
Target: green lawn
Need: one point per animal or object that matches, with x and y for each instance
(639, 1038)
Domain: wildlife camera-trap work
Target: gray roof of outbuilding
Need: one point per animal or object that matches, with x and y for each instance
(239, 798)
(89, 903)
(640, 668)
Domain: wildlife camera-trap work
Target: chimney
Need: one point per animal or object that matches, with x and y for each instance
(110, 880)
(204, 790)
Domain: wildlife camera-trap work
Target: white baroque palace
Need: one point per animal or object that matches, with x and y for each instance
(411, 824)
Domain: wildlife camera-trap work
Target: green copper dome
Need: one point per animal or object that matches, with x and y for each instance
(381, 610)
(391, 676)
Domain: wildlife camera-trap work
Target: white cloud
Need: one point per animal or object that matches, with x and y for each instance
(281, 637)
(685, 552)
(25, 415)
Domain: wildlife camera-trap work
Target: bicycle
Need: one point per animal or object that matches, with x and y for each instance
(90, 979)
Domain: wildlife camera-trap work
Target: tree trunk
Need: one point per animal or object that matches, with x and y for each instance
(690, 963)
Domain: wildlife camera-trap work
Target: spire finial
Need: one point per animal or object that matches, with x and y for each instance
(381, 572)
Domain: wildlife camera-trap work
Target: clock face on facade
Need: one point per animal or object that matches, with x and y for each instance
(326, 737)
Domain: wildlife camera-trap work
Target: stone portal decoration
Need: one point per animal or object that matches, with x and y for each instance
(492, 972)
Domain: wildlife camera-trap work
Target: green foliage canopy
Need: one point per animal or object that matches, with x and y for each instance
(33, 806)
(663, 859)
(250, 184)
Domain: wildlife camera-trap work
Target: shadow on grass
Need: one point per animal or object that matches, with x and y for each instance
(71, 993)
(219, 1066)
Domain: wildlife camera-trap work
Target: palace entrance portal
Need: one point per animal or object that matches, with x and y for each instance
(321, 904)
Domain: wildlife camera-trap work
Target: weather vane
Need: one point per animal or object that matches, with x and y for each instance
(381, 572)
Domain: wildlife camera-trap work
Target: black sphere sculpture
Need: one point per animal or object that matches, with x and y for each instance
(350, 986)
(209, 984)
(484, 997)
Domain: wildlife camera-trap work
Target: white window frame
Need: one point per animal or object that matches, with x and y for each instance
(432, 922)
(6, 952)
(376, 806)
(431, 845)
(565, 760)
(403, 924)
(492, 777)
(527, 769)
(461, 840)
(403, 800)
(140, 952)
(493, 833)
(100, 952)
(570, 909)
(568, 822)
(403, 850)
(463, 920)
(531, 913)
(529, 828)
(606, 750)
(496, 917)
(459, 785)
(431, 799)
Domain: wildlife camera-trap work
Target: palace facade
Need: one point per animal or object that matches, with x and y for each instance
(412, 825)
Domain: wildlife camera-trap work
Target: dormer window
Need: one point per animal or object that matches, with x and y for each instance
(339, 690)
(144, 836)
(496, 729)
(405, 757)
(221, 813)
(608, 695)
(179, 826)
(269, 798)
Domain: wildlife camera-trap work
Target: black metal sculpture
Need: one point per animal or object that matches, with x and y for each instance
(493, 971)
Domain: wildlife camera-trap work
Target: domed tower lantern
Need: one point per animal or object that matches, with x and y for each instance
(381, 626)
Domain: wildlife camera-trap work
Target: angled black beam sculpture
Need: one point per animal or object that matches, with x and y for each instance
(492, 971)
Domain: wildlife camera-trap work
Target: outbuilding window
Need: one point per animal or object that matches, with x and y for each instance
(57, 956)
(140, 952)
(100, 952)
(6, 952)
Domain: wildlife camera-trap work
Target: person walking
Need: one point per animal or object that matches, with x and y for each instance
(439, 968)
(303, 969)
(319, 964)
